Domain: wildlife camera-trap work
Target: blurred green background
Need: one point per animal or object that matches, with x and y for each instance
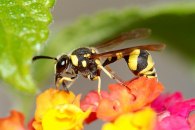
(76, 24)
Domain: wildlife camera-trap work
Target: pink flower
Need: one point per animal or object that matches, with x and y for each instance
(173, 111)
(92, 101)
(172, 122)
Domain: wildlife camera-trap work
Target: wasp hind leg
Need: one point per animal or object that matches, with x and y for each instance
(107, 69)
(112, 74)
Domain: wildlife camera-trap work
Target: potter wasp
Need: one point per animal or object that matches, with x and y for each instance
(87, 61)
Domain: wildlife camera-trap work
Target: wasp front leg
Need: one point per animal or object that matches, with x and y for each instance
(60, 80)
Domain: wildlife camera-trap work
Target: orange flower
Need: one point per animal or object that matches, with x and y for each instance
(117, 103)
(145, 90)
(14, 122)
(192, 122)
(141, 92)
(58, 109)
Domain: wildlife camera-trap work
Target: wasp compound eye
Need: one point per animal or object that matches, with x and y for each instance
(62, 63)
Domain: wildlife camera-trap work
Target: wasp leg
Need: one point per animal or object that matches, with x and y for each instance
(112, 75)
(71, 83)
(62, 81)
(65, 79)
(109, 61)
(116, 77)
(106, 71)
(72, 73)
(65, 86)
(57, 77)
(99, 85)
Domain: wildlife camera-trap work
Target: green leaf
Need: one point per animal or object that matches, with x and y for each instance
(23, 28)
(173, 24)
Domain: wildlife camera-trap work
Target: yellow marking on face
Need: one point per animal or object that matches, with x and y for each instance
(109, 58)
(87, 55)
(97, 62)
(119, 55)
(133, 57)
(84, 63)
(74, 60)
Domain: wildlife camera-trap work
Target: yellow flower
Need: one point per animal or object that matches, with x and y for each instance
(58, 107)
(141, 120)
(64, 117)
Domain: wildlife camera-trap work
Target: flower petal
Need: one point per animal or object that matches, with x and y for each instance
(61, 117)
(191, 121)
(91, 100)
(172, 123)
(145, 91)
(173, 112)
(141, 120)
(166, 100)
(14, 122)
(175, 104)
(50, 99)
(120, 100)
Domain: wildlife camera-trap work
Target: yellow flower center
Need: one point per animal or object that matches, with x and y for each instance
(64, 117)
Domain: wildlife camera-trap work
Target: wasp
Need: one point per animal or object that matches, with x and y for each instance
(86, 61)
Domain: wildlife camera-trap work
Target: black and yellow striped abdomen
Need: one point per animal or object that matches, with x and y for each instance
(140, 62)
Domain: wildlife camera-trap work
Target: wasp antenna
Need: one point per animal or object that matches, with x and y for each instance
(43, 57)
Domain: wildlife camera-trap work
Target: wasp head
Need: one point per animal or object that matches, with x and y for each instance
(62, 63)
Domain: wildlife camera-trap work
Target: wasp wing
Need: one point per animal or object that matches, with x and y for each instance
(134, 34)
(127, 51)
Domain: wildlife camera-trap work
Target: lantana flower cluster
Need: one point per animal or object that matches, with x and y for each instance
(138, 106)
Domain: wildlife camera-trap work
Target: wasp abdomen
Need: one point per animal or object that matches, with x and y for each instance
(140, 63)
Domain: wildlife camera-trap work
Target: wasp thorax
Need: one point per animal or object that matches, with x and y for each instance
(62, 63)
